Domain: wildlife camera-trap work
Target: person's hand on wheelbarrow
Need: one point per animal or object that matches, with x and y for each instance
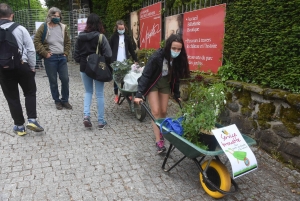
(138, 100)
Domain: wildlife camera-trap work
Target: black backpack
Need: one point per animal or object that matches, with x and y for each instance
(10, 55)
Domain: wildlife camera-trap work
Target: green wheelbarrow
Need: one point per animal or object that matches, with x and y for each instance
(214, 176)
(138, 110)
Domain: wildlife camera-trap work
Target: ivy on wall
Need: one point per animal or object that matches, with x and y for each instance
(262, 42)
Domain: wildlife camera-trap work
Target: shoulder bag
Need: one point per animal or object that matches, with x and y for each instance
(96, 67)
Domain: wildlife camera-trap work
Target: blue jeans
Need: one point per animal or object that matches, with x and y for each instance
(57, 63)
(99, 87)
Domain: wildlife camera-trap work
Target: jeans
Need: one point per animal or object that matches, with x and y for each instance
(9, 81)
(99, 87)
(57, 63)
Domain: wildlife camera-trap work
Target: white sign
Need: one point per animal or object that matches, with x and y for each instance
(237, 150)
(81, 24)
(37, 25)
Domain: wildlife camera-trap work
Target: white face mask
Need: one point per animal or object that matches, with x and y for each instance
(121, 31)
(174, 54)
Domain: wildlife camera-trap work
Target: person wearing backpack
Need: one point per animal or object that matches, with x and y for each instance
(53, 44)
(17, 67)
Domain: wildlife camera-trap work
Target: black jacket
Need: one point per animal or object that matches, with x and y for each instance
(86, 44)
(114, 44)
(151, 74)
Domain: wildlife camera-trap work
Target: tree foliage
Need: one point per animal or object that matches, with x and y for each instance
(23, 4)
(112, 10)
(61, 4)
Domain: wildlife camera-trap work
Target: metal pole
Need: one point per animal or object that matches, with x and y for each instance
(28, 4)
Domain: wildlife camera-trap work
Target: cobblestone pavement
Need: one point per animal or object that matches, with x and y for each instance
(69, 162)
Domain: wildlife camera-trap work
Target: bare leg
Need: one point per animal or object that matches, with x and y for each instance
(158, 104)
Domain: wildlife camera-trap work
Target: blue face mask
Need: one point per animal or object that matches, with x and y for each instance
(174, 54)
(121, 32)
(55, 20)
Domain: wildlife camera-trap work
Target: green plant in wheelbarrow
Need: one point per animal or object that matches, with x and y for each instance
(120, 69)
(201, 111)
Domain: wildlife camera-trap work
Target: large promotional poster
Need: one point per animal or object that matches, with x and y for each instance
(135, 29)
(150, 26)
(173, 25)
(203, 34)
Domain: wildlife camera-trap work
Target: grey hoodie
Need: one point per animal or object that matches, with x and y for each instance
(25, 43)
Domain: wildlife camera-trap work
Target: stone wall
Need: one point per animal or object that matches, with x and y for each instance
(270, 116)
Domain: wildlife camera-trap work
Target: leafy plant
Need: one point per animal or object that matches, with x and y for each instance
(202, 109)
(120, 69)
(226, 72)
(144, 54)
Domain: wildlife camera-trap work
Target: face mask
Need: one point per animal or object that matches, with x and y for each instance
(55, 20)
(174, 54)
(121, 31)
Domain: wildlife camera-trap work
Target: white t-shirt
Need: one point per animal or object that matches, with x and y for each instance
(121, 49)
(165, 69)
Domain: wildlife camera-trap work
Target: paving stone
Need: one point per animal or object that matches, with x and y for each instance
(69, 162)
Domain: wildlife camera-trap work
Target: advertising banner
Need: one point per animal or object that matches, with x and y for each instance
(81, 24)
(203, 34)
(135, 29)
(173, 25)
(150, 26)
(237, 150)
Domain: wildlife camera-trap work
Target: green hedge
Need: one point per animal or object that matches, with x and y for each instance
(262, 43)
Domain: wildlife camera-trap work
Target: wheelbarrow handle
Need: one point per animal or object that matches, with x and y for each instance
(147, 110)
(179, 103)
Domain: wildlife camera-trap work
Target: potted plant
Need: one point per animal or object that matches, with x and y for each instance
(120, 69)
(201, 111)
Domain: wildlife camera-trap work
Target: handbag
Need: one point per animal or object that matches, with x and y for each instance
(96, 66)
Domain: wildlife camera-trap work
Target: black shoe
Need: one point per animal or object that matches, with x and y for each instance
(59, 106)
(67, 105)
(102, 125)
(87, 122)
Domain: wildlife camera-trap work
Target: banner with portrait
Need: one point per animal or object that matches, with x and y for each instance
(203, 34)
(150, 26)
(173, 25)
(135, 30)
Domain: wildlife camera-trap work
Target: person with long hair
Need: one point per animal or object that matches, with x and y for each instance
(121, 46)
(161, 76)
(86, 44)
(55, 49)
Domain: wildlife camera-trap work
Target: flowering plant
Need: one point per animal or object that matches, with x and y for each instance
(120, 69)
(202, 109)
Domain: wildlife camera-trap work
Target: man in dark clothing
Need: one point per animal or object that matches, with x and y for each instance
(23, 74)
(121, 46)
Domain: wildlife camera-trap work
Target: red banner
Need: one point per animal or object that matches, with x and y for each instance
(203, 34)
(150, 26)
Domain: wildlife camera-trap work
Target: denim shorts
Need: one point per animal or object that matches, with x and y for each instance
(162, 85)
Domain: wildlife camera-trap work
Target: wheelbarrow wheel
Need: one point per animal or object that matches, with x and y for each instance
(140, 112)
(218, 174)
